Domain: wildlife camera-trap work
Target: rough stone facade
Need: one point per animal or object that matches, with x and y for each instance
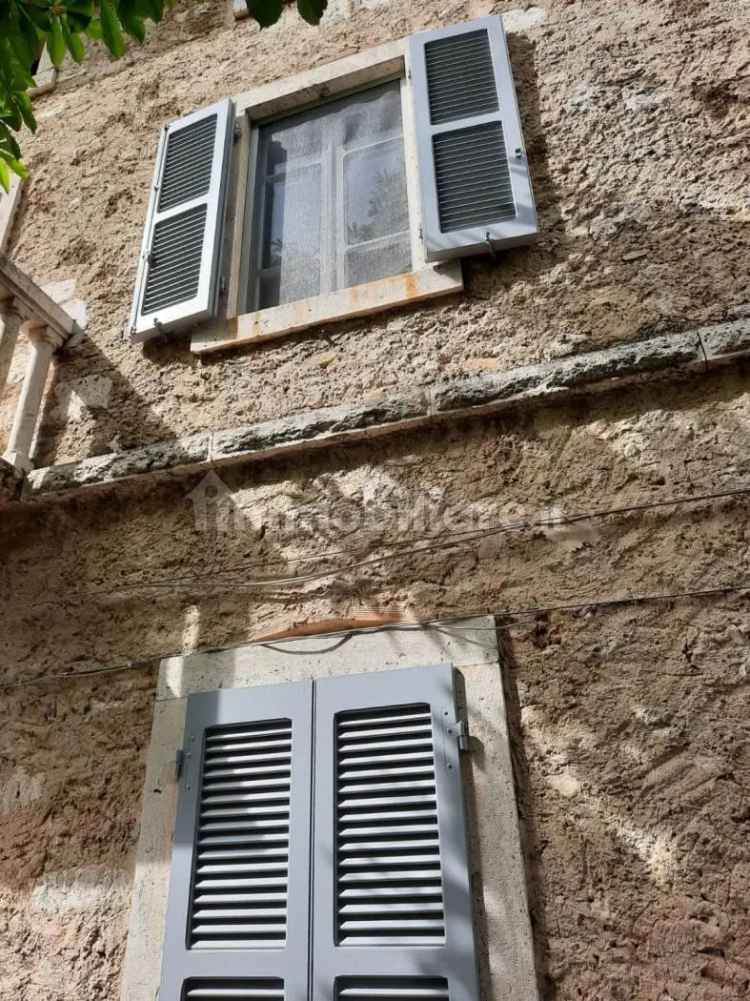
(625, 634)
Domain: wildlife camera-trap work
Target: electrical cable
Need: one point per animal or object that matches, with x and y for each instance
(434, 543)
(445, 623)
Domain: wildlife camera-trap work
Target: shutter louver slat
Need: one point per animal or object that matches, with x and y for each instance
(239, 895)
(460, 76)
(187, 167)
(234, 990)
(216, 922)
(178, 274)
(392, 989)
(175, 265)
(391, 888)
(475, 189)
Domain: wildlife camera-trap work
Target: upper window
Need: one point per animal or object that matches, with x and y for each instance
(340, 192)
(331, 203)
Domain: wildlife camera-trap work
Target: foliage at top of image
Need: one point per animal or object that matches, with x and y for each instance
(64, 26)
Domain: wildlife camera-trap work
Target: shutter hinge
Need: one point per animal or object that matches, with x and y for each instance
(179, 764)
(462, 735)
(236, 132)
(488, 241)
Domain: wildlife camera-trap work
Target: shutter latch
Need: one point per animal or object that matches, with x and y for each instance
(462, 735)
(179, 762)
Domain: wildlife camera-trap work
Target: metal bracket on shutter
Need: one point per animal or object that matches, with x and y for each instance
(462, 735)
(179, 764)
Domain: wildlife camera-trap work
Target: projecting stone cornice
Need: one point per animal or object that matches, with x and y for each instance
(664, 357)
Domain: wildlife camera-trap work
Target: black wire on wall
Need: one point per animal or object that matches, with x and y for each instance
(505, 618)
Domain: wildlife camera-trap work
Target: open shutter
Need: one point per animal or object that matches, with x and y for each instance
(238, 910)
(391, 898)
(177, 283)
(475, 189)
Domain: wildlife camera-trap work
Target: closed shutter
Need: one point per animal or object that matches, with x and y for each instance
(392, 914)
(178, 274)
(238, 911)
(475, 189)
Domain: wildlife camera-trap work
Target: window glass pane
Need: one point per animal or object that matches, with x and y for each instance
(331, 205)
(371, 115)
(291, 237)
(371, 261)
(375, 192)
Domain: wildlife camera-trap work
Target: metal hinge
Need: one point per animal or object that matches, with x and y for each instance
(463, 736)
(179, 764)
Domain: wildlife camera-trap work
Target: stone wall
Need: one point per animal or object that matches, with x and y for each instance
(630, 734)
(71, 775)
(631, 740)
(635, 120)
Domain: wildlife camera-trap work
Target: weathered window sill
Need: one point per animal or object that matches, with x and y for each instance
(361, 300)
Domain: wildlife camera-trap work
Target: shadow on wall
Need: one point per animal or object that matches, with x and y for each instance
(597, 299)
(93, 393)
(92, 389)
(71, 775)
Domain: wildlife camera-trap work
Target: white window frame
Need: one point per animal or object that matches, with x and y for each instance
(276, 100)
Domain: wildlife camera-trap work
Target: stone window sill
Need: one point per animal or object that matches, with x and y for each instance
(362, 300)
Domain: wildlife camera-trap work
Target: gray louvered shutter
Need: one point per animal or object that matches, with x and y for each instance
(475, 189)
(392, 912)
(178, 273)
(238, 911)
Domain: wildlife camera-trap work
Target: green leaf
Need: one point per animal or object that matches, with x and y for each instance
(85, 8)
(77, 22)
(56, 43)
(18, 168)
(312, 10)
(111, 29)
(30, 33)
(94, 30)
(73, 41)
(8, 144)
(265, 12)
(23, 103)
(11, 115)
(152, 9)
(16, 74)
(78, 14)
(19, 41)
(39, 16)
(4, 173)
(131, 22)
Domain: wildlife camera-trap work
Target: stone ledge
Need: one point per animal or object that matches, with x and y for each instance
(591, 372)
(322, 427)
(726, 341)
(551, 382)
(180, 455)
